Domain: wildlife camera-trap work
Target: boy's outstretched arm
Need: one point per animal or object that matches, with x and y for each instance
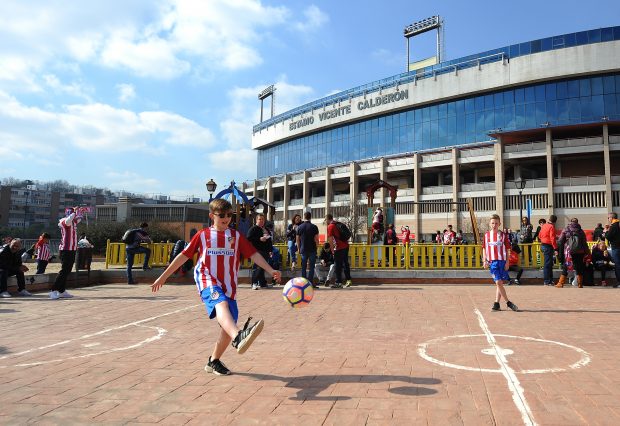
(176, 264)
(260, 261)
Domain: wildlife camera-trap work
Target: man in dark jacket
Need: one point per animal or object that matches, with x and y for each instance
(261, 239)
(613, 236)
(11, 264)
(597, 234)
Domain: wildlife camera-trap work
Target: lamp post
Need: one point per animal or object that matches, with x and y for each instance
(520, 184)
(211, 187)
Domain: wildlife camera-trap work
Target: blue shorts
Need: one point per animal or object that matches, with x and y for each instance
(211, 296)
(498, 271)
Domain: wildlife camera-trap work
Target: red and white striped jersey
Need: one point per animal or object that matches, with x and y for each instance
(496, 246)
(219, 254)
(68, 232)
(43, 252)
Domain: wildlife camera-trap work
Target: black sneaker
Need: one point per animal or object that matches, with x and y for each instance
(512, 306)
(245, 337)
(496, 307)
(336, 285)
(217, 367)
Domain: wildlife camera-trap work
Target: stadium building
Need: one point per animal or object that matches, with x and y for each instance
(543, 114)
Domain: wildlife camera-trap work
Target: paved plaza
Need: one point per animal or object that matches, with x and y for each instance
(386, 354)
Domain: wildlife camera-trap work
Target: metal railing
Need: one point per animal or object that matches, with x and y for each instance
(363, 256)
(525, 147)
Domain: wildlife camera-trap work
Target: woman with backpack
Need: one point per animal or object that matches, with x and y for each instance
(572, 247)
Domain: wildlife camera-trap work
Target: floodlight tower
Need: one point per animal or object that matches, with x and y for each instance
(420, 27)
(269, 91)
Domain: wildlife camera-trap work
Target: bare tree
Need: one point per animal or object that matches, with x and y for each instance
(354, 216)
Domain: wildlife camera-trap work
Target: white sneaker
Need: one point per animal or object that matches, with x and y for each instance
(255, 286)
(5, 294)
(54, 295)
(65, 295)
(24, 293)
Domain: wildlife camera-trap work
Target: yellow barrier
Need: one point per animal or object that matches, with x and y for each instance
(414, 256)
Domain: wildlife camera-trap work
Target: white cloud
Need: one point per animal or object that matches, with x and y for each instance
(132, 181)
(315, 18)
(126, 93)
(74, 89)
(241, 162)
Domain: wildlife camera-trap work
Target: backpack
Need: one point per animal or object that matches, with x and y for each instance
(573, 243)
(129, 237)
(345, 233)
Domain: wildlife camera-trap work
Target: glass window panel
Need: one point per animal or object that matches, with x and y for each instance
(460, 123)
(433, 112)
(598, 107)
(434, 134)
(460, 105)
(479, 103)
(594, 36)
(530, 94)
(550, 92)
(616, 33)
(586, 108)
(509, 117)
(581, 38)
(514, 51)
(524, 48)
(552, 111)
(584, 87)
(574, 109)
(381, 123)
(426, 135)
(498, 99)
(489, 121)
(452, 124)
(573, 88)
(541, 114)
(607, 34)
(480, 122)
(609, 105)
(395, 120)
(425, 114)
(410, 115)
(562, 90)
(570, 40)
(536, 46)
(562, 111)
(540, 93)
(519, 96)
(597, 86)
(470, 105)
(609, 84)
(520, 116)
(470, 123)
(488, 102)
(418, 116)
(509, 97)
(530, 116)
(442, 110)
(546, 44)
(558, 42)
(451, 108)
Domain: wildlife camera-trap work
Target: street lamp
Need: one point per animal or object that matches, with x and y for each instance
(520, 184)
(211, 187)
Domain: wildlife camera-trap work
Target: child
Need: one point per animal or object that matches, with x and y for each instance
(275, 260)
(495, 252)
(42, 248)
(513, 261)
(219, 250)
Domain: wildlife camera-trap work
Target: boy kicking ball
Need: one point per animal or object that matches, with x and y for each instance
(495, 253)
(219, 251)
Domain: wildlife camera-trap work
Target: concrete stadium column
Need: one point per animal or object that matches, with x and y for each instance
(353, 181)
(498, 158)
(417, 191)
(255, 188)
(287, 198)
(269, 194)
(305, 190)
(383, 177)
(549, 148)
(328, 189)
(606, 157)
(456, 187)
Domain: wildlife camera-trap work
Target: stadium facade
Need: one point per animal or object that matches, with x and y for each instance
(546, 112)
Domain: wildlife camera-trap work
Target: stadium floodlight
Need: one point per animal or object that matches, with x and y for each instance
(268, 91)
(420, 27)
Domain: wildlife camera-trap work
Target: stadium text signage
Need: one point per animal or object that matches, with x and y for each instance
(345, 110)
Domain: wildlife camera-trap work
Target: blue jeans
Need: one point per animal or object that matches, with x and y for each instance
(292, 251)
(341, 260)
(305, 258)
(615, 257)
(547, 250)
(131, 253)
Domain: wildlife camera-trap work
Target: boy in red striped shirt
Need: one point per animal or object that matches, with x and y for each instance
(219, 251)
(495, 252)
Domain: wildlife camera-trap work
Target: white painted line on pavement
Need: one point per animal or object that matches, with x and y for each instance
(518, 394)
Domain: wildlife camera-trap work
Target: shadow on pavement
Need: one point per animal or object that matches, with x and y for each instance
(310, 386)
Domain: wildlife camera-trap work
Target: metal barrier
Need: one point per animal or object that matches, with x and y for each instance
(362, 256)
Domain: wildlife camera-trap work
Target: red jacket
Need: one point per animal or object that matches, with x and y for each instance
(547, 235)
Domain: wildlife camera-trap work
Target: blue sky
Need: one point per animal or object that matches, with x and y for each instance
(159, 96)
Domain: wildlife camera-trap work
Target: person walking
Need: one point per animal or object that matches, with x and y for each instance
(11, 264)
(66, 251)
(613, 236)
(133, 239)
(549, 247)
(260, 238)
(340, 248)
(308, 241)
(291, 240)
(572, 247)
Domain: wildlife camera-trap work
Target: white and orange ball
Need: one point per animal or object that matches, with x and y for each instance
(298, 292)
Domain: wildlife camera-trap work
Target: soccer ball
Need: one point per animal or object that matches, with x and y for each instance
(298, 292)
